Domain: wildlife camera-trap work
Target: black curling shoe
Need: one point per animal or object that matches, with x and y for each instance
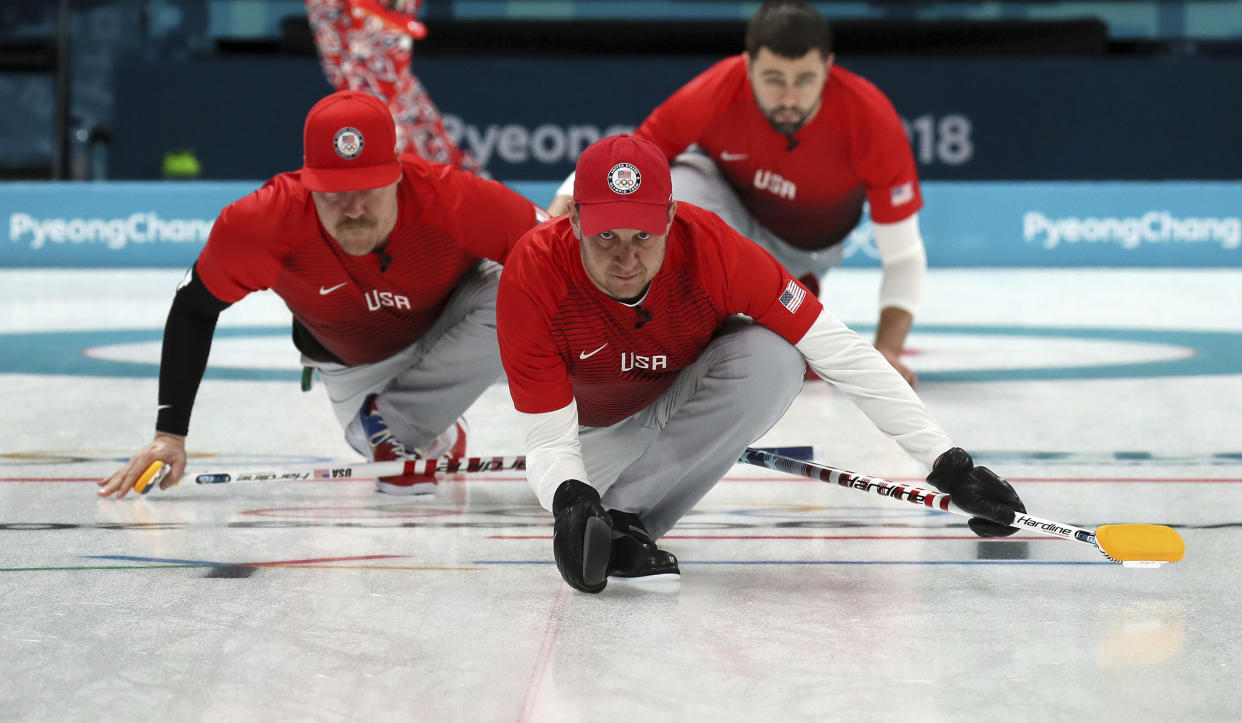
(635, 557)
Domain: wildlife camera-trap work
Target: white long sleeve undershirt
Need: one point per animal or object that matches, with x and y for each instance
(553, 453)
(905, 263)
(840, 356)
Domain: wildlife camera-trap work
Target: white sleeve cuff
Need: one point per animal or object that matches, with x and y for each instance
(553, 453)
(905, 263)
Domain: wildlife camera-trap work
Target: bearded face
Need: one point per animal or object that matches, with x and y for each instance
(788, 90)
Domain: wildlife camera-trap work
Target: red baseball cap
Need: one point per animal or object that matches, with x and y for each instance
(349, 143)
(623, 182)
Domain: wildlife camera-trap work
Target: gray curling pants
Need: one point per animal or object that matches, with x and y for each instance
(659, 462)
(425, 387)
(697, 180)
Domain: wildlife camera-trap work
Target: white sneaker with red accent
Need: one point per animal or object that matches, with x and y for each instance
(450, 443)
(384, 447)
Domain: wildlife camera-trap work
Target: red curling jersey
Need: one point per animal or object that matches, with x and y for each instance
(810, 196)
(446, 221)
(563, 340)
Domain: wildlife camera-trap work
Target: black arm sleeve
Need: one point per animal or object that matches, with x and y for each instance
(187, 343)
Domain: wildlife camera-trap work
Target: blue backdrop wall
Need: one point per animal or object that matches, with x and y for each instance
(964, 223)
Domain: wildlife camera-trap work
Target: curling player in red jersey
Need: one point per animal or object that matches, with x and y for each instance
(647, 344)
(786, 146)
(390, 267)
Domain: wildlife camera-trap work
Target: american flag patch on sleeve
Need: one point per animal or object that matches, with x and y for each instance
(902, 194)
(792, 296)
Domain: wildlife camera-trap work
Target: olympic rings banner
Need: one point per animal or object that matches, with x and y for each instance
(964, 224)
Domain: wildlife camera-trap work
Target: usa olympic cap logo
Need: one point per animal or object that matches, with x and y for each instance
(624, 179)
(610, 192)
(348, 143)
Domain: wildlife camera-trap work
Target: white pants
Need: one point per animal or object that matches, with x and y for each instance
(697, 180)
(425, 387)
(660, 461)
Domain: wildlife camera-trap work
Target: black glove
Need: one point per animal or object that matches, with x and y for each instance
(581, 536)
(977, 490)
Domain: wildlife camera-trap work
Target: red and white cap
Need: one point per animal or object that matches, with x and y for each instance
(349, 143)
(623, 182)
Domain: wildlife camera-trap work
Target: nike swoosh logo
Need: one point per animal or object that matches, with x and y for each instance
(584, 355)
(163, 407)
(325, 292)
(727, 156)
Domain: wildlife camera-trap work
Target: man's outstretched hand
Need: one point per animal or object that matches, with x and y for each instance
(167, 448)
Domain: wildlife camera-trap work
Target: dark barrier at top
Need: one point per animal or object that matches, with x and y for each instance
(528, 118)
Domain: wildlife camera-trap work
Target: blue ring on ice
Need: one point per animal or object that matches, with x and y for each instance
(1216, 352)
